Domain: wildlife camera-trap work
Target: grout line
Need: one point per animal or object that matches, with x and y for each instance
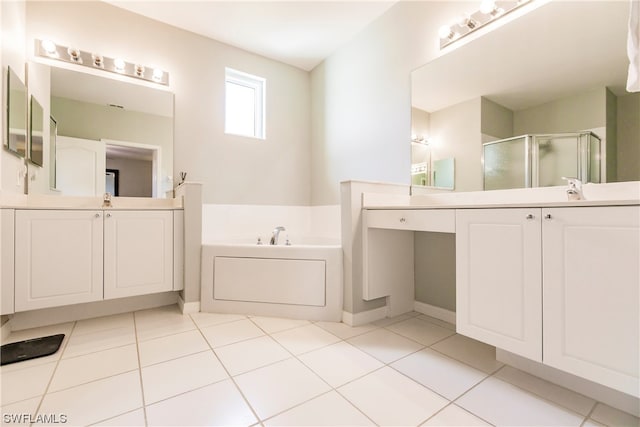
(144, 403)
(593, 408)
(62, 350)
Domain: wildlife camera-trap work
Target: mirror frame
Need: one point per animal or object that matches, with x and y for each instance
(36, 127)
(53, 135)
(12, 143)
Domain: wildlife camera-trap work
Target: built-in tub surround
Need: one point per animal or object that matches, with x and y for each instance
(297, 281)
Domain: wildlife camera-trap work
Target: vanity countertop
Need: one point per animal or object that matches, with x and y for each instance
(612, 194)
(19, 201)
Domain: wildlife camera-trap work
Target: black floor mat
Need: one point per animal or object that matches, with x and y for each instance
(30, 349)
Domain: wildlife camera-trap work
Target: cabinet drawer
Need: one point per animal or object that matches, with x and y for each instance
(437, 220)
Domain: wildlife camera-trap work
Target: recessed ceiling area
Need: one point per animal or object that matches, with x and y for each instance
(298, 33)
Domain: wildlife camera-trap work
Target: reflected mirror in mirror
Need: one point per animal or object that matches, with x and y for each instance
(53, 132)
(561, 68)
(125, 126)
(16, 115)
(36, 134)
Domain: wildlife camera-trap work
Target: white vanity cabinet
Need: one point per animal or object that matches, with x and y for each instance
(58, 258)
(574, 270)
(138, 253)
(76, 256)
(498, 276)
(591, 283)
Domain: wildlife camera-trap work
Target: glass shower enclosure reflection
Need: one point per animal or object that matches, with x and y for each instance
(541, 160)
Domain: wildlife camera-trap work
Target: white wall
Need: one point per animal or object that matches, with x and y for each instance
(233, 169)
(12, 54)
(361, 95)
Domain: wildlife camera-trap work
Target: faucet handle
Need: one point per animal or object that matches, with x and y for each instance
(573, 182)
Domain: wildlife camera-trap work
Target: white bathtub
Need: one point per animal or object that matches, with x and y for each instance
(299, 281)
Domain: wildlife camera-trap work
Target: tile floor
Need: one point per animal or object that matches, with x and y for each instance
(159, 367)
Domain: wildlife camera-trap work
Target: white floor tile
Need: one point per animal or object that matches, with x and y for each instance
(304, 339)
(385, 345)
(441, 374)
(560, 395)
(163, 321)
(418, 330)
(96, 401)
(98, 341)
(247, 355)
(21, 384)
(479, 355)
(98, 324)
(330, 409)
(232, 332)
(438, 322)
(279, 387)
(20, 413)
(130, 419)
(613, 417)
(344, 331)
(171, 347)
(390, 398)
(391, 320)
(277, 324)
(219, 404)
(93, 366)
(454, 415)
(501, 403)
(177, 376)
(209, 319)
(340, 363)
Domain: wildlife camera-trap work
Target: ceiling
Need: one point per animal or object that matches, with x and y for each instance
(300, 33)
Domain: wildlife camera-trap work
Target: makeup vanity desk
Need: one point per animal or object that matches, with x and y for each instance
(537, 276)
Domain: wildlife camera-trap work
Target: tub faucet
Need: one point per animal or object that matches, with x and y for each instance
(574, 192)
(274, 236)
(106, 201)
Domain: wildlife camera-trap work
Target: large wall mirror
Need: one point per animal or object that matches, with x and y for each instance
(36, 133)
(16, 115)
(104, 123)
(559, 70)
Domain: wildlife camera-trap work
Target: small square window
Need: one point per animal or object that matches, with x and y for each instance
(244, 104)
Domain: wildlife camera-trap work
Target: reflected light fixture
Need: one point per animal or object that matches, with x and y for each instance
(489, 11)
(48, 49)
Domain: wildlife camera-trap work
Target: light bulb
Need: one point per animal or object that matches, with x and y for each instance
(158, 74)
(119, 65)
(49, 47)
(445, 32)
(488, 6)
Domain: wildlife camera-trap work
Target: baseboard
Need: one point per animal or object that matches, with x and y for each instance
(609, 396)
(188, 307)
(364, 317)
(71, 313)
(436, 312)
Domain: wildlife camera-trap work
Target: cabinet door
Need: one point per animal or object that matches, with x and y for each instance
(591, 293)
(58, 258)
(138, 256)
(498, 278)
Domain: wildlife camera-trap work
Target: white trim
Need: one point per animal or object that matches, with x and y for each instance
(622, 401)
(364, 317)
(70, 313)
(435, 312)
(188, 307)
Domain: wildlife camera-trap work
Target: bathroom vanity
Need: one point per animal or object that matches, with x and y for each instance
(553, 281)
(76, 251)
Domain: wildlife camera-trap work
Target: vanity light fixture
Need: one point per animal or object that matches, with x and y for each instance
(48, 49)
(490, 10)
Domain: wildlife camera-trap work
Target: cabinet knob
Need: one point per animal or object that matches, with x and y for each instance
(403, 219)
(108, 215)
(547, 216)
(530, 216)
(97, 215)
